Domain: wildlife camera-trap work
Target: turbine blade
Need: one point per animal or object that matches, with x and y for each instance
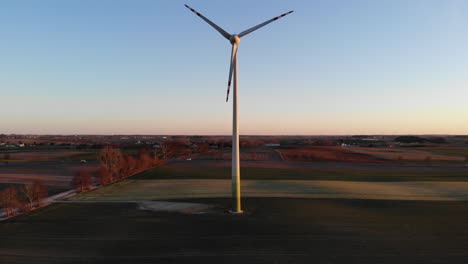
(219, 29)
(243, 33)
(231, 68)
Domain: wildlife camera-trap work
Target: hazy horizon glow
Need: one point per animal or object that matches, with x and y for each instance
(152, 67)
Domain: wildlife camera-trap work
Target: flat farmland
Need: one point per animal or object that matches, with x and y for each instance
(407, 154)
(56, 175)
(457, 151)
(140, 190)
(305, 171)
(35, 156)
(273, 230)
(324, 154)
(197, 179)
(252, 154)
(373, 213)
(55, 168)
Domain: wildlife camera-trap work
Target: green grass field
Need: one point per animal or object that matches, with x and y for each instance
(251, 173)
(168, 182)
(445, 150)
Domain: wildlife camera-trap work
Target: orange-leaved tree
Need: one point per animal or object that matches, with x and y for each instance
(40, 190)
(82, 180)
(110, 158)
(9, 200)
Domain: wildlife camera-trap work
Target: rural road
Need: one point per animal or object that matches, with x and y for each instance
(48, 200)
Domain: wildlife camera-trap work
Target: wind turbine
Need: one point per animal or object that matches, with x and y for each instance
(234, 39)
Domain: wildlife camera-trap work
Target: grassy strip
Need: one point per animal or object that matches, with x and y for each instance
(450, 151)
(299, 174)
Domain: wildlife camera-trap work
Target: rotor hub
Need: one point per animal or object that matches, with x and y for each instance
(235, 39)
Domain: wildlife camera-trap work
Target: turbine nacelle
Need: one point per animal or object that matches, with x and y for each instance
(234, 39)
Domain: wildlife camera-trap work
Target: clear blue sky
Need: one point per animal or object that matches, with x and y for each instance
(153, 67)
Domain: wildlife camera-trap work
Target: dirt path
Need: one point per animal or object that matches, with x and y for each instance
(48, 200)
(157, 206)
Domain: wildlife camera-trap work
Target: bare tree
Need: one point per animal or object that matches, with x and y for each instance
(128, 165)
(164, 150)
(6, 157)
(29, 193)
(145, 160)
(110, 158)
(82, 180)
(40, 191)
(202, 147)
(169, 149)
(4, 201)
(9, 200)
(103, 176)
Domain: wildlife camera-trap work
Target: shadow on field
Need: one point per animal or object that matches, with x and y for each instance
(274, 230)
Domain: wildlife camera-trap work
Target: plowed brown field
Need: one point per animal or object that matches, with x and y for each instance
(334, 154)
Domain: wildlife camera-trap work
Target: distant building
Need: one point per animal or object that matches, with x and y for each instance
(348, 145)
(361, 142)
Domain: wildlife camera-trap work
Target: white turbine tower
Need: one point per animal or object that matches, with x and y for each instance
(235, 40)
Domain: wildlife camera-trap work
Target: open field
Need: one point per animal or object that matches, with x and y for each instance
(374, 212)
(55, 168)
(305, 171)
(28, 156)
(191, 179)
(459, 151)
(335, 154)
(56, 175)
(133, 190)
(252, 154)
(273, 230)
(406, 154)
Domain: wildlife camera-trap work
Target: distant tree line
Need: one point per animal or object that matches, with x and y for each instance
(114, 166)
(416, 139)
